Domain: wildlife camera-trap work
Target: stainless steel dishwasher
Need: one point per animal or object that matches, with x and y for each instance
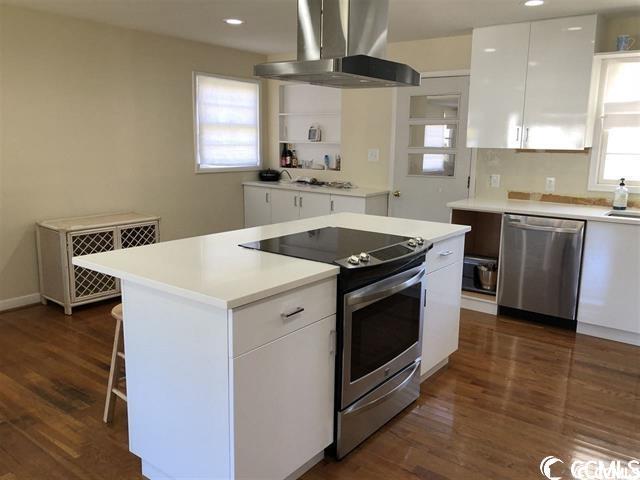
(539, 271)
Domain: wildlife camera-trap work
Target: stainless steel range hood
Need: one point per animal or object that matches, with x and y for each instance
(341, 43)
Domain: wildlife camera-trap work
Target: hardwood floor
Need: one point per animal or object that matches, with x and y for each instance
(513, 394)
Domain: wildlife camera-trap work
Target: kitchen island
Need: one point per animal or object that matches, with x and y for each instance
(219, 383)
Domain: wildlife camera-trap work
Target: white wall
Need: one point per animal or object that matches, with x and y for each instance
(99, 119)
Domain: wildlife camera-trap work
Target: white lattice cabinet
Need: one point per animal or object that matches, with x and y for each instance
(62, 239)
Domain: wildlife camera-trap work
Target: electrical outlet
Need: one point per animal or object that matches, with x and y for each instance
(373, 155)
(494, 181)
(550, 184)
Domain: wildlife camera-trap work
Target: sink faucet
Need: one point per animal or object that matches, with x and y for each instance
(287, 172)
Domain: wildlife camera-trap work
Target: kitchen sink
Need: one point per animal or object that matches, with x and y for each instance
(623, 213)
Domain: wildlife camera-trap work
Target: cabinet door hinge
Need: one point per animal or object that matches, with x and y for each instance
(468, 182)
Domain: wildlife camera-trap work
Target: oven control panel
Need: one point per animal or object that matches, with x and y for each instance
(386, 254)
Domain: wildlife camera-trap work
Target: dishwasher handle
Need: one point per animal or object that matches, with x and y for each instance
(519, 221)
(526, 226)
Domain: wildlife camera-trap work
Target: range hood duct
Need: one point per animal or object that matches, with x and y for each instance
(342, 44)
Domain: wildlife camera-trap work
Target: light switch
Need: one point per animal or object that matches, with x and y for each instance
(494, 181)
(550, 184)
(373, 155)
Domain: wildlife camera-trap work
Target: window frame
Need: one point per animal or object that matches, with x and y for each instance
(196, 125)
(599, 144)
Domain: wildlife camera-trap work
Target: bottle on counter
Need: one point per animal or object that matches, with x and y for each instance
(283, 155)
(294, 159)
(621, 196)
(338, 160)
(288, 156)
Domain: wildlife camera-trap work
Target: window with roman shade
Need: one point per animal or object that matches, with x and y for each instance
(616, 148)
(227, 123)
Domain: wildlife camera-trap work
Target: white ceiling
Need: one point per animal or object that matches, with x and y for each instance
(270, 25)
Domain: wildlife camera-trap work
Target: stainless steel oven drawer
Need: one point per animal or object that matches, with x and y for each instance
(368, 414)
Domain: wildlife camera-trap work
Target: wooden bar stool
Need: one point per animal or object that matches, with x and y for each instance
(117, 364)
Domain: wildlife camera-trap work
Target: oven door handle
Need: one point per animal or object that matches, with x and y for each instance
(367, 297)
(356, 407)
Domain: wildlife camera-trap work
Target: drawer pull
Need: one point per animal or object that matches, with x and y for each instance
(291, 314)
(446, 253)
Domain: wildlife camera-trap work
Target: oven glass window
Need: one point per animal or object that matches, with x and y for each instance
(383, 330)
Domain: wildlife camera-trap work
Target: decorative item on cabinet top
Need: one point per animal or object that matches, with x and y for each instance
(60, 240)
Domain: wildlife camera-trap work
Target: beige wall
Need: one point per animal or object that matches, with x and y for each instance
(367, 115)
(98, 119)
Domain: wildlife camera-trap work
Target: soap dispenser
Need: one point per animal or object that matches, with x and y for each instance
(621, 196)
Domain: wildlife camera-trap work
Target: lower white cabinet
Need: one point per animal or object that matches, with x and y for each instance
(265, 205)
(442, 306)
(284, 206)
(609, 304)
(283, 402)
(314, 204)
(259, 201)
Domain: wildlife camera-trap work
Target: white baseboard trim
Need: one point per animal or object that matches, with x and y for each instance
(436, 368)
(609, 333)
(478, 305)
(16, 302)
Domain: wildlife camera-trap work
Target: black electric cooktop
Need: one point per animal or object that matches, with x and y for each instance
(331, 243)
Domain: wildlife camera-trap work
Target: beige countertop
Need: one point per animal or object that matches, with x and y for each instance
(544, 209)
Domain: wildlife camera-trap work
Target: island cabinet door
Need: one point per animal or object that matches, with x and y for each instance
(441, 316)
(283, 402)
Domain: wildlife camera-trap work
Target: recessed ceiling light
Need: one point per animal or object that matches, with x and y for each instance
(233, 21)
(489, 50)
(574, 29)
(533, 3)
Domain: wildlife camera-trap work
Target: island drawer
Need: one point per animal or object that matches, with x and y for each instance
(445, 253)
(264, 321)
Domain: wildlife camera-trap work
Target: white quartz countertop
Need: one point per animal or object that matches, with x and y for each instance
(347, 192)
(544, 209)
(215, 270)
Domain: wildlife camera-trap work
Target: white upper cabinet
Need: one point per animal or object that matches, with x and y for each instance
(496, 91)
(530, 84)
(558, 81)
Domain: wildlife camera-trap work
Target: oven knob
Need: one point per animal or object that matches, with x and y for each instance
(412, 243)
(353, 260)
(364, 257)
(420, 240)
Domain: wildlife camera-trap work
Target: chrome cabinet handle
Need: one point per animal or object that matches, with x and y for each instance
(298, 310)
(446, 253)
(295, 201)
(300, 201)
(266, 197)
(526, 136)
(332, 207)
(517, 134)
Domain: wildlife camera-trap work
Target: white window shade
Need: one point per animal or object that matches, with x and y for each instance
(227, 123)
(617, 136)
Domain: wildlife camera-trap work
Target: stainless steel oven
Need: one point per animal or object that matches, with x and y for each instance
(382, 338)
(380, 302)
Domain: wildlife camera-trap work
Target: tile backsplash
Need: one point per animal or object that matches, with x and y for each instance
(527, 172)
